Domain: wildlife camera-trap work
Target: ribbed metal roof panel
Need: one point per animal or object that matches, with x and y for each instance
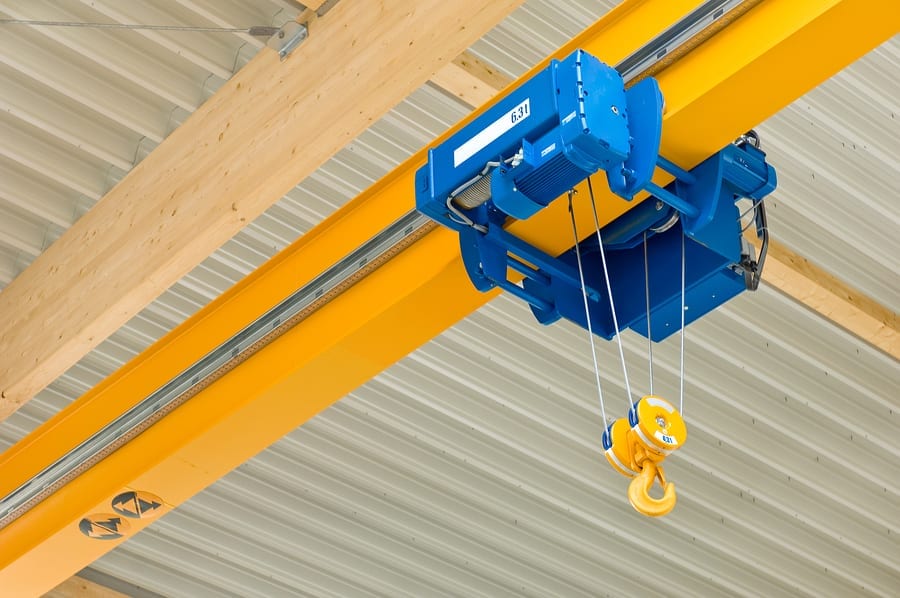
(839, 144)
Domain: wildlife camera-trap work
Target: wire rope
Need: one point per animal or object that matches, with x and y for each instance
(647, 304)
(681, 376)
(612, 304)
(587, 310)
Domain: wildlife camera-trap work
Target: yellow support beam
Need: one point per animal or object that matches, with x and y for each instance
(758, 64)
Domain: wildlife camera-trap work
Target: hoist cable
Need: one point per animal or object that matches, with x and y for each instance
(752, 208)
(612, 304)
(681, 377)
(587, 310)
(647, 302)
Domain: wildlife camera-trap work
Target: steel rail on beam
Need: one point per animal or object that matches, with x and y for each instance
(724, 87)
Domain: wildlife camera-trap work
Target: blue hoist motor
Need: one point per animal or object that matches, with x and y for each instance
(574, 118)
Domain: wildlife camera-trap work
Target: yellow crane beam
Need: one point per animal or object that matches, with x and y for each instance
(758, 64)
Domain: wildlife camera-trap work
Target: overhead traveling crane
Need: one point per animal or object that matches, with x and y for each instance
(358, 298)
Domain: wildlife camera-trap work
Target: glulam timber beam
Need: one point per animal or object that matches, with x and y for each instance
(474, 82)
(268, 128)
(760, 63)
(471, 80)
(79, 587)
(803, 281)
(314, 4)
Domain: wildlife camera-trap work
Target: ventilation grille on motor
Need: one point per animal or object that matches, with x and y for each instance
(551, 180)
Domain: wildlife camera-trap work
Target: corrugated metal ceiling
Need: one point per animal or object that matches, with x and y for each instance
(472, 467)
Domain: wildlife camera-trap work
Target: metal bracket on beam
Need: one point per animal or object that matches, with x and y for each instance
(288, 38)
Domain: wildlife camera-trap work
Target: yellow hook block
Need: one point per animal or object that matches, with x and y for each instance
(637, 446)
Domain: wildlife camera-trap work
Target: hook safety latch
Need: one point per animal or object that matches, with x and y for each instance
(639, 491)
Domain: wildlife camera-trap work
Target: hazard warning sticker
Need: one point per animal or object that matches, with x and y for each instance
(104, 526)
(137, 504)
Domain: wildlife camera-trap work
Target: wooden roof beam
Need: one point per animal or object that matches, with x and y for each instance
(800, 279)
(268, 128)
(79, 587)
(314, 4)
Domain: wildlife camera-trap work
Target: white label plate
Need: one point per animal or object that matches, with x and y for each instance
(492, 132)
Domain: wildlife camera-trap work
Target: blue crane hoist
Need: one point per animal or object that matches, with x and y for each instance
(569, 121)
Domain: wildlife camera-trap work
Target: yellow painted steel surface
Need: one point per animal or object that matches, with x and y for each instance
(760, 63)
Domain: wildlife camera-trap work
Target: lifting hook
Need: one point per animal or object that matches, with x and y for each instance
(639, 491)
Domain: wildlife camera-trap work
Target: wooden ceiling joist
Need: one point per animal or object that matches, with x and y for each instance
(314, 4)
(79, 587)
(832, 298)
(268, 128)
